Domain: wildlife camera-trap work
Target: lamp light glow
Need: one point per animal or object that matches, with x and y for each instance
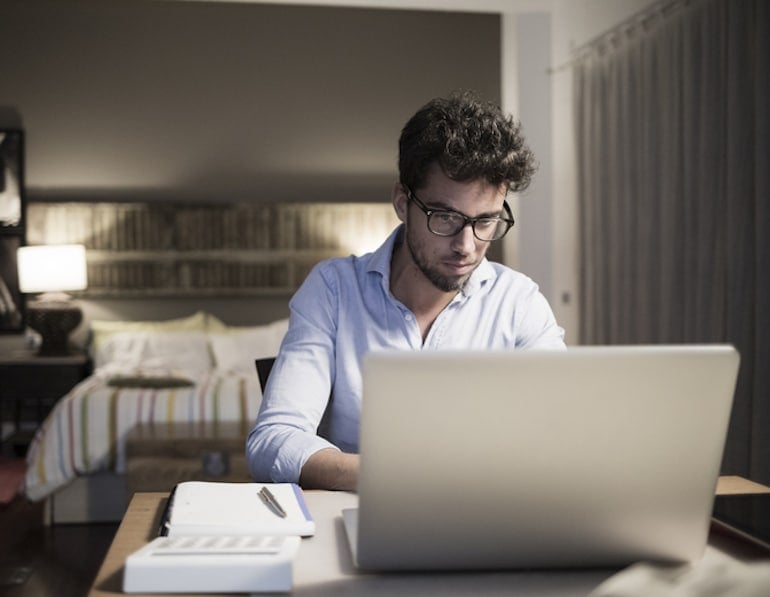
(52, 268)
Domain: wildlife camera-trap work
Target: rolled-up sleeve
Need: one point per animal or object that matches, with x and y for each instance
(298, 389)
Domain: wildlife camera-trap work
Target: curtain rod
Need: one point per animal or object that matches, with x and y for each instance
(640, 21)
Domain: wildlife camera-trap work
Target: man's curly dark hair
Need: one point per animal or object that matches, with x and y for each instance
(469, 139)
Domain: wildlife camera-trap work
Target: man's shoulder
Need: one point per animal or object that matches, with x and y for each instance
(342, 266)
(340, 272)
(506, 277)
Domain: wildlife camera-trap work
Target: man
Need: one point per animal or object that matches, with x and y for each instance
(428, 287)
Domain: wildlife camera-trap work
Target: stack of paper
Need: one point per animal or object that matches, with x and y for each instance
(223, 537)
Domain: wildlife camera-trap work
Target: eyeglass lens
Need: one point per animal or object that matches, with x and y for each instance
(447, 223)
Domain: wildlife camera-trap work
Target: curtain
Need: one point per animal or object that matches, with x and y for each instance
(672, 136)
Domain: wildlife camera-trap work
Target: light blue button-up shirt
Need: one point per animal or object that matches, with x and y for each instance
(345, 309)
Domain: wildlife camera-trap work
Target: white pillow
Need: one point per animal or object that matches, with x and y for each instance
(178, 350)
(121, 349)
(171, 350)
(236, 349)
(201, 321)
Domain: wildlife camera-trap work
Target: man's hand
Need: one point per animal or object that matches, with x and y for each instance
(330, 469)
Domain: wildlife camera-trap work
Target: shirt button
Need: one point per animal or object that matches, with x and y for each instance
(408, 317)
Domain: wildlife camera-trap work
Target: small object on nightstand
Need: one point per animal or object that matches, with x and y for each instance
(52, 269)
(53, 320)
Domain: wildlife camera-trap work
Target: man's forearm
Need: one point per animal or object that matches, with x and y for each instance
(330, 469)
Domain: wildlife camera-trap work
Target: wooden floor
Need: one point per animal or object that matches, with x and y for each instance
(48, 561)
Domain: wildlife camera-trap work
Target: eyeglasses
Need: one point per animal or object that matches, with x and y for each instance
(446, 222)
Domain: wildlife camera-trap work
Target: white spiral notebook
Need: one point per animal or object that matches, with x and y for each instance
(208, 508)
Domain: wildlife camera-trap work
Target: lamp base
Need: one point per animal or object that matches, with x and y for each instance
(53, 320)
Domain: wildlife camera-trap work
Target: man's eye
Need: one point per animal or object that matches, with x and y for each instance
(448, 217)
(487, 223)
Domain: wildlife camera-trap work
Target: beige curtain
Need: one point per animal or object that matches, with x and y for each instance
(674, 160)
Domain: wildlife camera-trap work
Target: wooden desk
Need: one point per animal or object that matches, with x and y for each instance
(324, 565)
(732, 485)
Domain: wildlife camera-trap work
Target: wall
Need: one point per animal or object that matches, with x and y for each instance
(142, 99)
(535, 206)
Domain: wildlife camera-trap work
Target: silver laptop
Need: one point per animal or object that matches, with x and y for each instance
(589, 457)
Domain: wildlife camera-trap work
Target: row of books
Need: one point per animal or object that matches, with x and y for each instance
(179, 227)
(181, 276)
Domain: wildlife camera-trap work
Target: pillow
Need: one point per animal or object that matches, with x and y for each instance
(102, 331)
(121, 349)
(175, 350)
(178, 350)
(236, 349)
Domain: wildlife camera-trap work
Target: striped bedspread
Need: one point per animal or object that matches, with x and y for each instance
(85, 432)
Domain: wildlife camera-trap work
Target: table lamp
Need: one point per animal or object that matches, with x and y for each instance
(51, 270)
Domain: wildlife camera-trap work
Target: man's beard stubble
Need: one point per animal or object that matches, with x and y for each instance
(443, 283)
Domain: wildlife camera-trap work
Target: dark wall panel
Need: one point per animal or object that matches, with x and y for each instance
(197, 101)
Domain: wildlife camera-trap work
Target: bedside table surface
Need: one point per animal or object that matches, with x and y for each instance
(26, 357)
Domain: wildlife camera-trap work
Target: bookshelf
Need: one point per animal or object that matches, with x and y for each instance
(174, 249)
(12, 229)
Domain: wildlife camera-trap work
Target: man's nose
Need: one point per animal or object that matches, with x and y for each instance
(464, 241)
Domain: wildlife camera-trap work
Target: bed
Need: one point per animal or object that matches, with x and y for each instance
(194, 369)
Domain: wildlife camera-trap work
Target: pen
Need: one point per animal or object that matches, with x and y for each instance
(267, 496)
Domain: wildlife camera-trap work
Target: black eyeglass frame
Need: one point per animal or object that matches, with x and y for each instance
(509, 221)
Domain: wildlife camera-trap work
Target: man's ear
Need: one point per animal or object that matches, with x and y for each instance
(400, 201)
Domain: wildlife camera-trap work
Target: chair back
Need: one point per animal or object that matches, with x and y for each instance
(263, 370)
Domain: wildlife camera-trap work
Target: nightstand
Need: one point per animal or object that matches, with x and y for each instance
(29, 387)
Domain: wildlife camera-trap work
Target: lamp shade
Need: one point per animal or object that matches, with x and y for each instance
(52, 268)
